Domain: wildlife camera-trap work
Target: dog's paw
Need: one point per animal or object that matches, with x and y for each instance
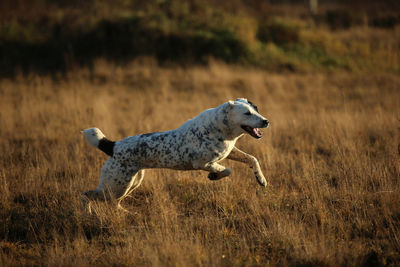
(213, 176)
(261, 179)
(219, 175)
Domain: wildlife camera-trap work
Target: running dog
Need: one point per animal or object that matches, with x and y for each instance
(198, 144)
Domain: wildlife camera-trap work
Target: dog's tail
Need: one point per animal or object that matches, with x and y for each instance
(97, 139)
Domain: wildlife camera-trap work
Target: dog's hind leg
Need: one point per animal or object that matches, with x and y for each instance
(238, 155)
(135, 183)
(115, 182)
(217, 171)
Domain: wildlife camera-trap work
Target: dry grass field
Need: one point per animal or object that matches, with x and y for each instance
(331, 156)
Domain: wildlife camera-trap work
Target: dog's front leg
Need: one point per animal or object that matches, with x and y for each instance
(238, 155)
(217, 171)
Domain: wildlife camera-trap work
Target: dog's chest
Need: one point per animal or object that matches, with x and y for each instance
(216, 151)
(224, 150)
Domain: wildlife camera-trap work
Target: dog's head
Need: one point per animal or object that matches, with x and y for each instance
(244, 116)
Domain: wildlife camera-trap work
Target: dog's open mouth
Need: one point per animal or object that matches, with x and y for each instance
(255, 132)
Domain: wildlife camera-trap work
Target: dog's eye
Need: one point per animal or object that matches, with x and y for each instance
(247, 113)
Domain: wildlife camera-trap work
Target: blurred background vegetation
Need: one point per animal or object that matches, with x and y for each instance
(327, 78)
(53, 36)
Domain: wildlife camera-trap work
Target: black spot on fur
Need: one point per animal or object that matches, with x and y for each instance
(212, 176)
(106, 146)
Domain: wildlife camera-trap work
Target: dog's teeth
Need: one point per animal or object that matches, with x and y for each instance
(257, 131)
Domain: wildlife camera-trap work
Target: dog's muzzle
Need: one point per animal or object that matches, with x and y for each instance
(255, 132)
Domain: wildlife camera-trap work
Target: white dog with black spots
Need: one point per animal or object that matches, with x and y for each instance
(198, 144)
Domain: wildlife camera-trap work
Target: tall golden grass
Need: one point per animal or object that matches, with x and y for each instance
(331, 156)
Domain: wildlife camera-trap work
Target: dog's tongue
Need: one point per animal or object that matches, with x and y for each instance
(257, 132)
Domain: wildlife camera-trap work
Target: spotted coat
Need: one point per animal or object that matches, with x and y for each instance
(198, 144)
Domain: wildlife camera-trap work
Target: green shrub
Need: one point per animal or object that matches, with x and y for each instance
(278, 31)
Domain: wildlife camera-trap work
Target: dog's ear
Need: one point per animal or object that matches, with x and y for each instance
(230, 104)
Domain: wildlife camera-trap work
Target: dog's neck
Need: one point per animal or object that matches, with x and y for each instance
(229, 132)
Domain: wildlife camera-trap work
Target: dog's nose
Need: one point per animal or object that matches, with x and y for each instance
(265, 123)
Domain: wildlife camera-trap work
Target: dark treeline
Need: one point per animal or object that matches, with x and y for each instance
(50, 36)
